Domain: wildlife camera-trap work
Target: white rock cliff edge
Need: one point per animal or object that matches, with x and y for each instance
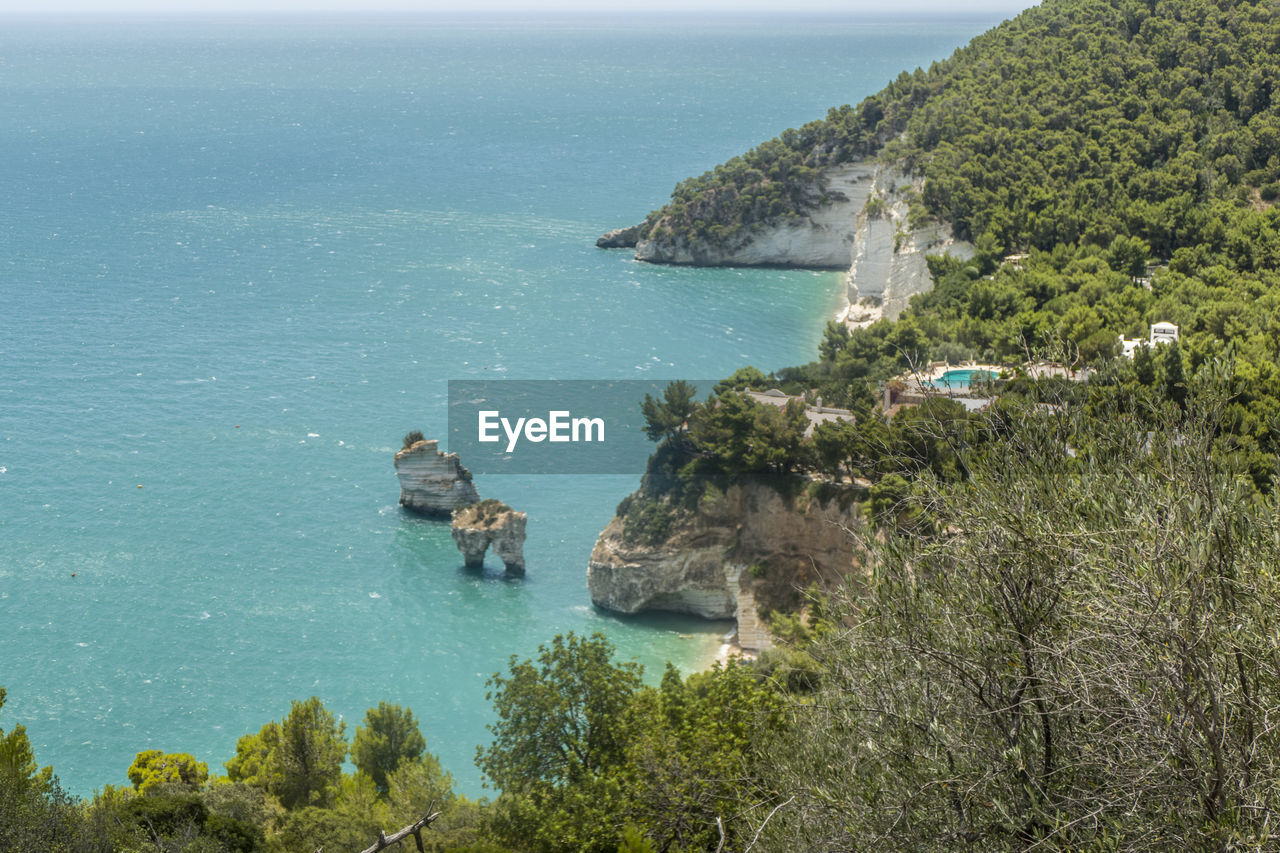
(742, 548)
(431, 482)
(889, 263)
(863, 229)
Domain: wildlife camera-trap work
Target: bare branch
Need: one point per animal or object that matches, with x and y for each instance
(415, 829)
(763, 824)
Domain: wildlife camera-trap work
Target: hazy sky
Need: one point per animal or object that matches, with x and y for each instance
(876, 8)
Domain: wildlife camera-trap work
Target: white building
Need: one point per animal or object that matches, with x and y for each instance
(1161, 333)
(816, 413)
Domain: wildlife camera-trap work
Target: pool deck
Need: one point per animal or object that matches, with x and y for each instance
(938, 369)
(914, 387)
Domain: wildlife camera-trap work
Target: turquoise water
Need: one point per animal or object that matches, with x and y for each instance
(241, 259)
(960, 378)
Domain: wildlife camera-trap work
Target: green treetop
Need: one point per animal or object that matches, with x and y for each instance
(388, 738)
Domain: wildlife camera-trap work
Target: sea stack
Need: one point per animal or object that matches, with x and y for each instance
(431, 482)
(490, 522)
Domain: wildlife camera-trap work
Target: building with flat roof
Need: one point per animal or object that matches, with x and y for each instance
(1161, 333)
(816, 413)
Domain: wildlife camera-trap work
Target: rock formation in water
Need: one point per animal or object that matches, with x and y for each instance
(752, 546)
(487, 523)
(431, 482)
(620, 238)
(862, 227)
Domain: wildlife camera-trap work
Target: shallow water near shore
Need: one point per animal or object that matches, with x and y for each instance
(242, 259)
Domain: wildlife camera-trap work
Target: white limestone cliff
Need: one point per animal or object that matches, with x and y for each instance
(864, 229)
(431, 482)
(888, 265)
(823, 238)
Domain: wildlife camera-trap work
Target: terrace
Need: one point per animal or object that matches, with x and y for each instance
(970, 384)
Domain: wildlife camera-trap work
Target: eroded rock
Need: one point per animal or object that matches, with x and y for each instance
(889, 263)
(751, 546)
(490, 523)
(431, 482)
(620, 238)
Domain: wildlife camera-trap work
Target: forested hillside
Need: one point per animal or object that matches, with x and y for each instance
(1130, 150)
(1074, 122)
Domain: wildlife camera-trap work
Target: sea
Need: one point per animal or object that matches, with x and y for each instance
(241, 257)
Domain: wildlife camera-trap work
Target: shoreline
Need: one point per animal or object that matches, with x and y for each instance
(724, 649)
(856, 315)
(730, 650)
(726, 646)
(729, 646)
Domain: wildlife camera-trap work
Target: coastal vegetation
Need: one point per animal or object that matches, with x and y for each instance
(584, 754)
(1060, 635)
(1071, 649)
(1078, 656)
(1073, 123)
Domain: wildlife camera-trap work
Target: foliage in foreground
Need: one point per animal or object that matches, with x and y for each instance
(586, 755)
(1084, 657)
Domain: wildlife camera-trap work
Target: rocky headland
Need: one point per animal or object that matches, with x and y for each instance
(431, 482)
(753, 547)
(490, 523)
(620, 238)
(859, 224)
(821, 238)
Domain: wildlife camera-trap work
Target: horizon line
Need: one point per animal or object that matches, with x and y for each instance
(584, 13)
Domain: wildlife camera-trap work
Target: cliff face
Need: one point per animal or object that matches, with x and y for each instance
(888, 265)
(431, 482)
(863, 229)
(822, 238)
(746, 547)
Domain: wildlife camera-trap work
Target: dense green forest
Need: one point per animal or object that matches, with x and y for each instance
(1074, 122)
(1131, 150)
(1062, 632)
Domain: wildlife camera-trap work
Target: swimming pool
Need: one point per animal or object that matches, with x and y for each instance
(957, 379)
